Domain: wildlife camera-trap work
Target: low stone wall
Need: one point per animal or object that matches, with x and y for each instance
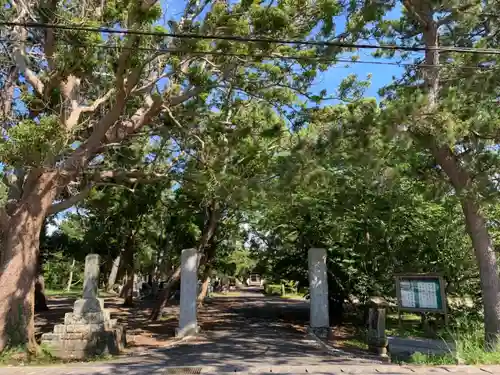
(405, 347)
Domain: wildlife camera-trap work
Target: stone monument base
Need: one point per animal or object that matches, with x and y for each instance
(321, 332)
(86, 333)
(187, 331)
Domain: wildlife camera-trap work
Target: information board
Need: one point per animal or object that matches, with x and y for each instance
(423, 293)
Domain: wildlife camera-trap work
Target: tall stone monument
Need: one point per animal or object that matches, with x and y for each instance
(188, 323)
(88, 330)
(318, 289)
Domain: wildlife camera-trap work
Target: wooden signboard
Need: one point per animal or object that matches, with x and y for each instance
(421, 293)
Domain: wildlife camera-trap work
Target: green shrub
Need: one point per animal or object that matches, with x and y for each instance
(272, 289)
(56, 271)
(468, 335)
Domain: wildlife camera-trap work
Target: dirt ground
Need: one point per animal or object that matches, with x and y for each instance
(143, 334)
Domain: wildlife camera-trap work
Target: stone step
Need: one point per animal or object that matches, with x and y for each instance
(66, 336)
(82, 328)
(88, 318)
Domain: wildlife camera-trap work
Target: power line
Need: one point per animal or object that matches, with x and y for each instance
(267, 56)
(107, 30)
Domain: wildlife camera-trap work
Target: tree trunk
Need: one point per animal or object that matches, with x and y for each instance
(481, 242)
(128, 290)
(165, 294)
(21, 240)
(128, 260)
(70, 279)
(209, 227)
(488, 271)
(460, 178)
(40, 299)
(113, 274)
(204, 287)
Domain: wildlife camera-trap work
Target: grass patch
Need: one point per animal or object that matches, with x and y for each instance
(297, 296)
(19, 356)
(73, 293)
(166, 318)
(411, 326)
(62, 293)
(468, 337)
(357, 343)
(227, 294)
(431, 359)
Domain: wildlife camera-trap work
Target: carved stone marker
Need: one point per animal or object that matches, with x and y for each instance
(88, 330)
(91, 276)
(188, 323)
(318, 289)
(377, 340)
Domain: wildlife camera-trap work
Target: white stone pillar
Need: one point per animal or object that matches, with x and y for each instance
(91, 276)
(90, 301)
(318, 289)
(188, 324)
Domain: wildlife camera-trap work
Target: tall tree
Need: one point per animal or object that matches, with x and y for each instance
(83, 93)
(446, 103)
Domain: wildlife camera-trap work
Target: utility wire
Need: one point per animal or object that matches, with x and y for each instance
(107, 30)
(256, 57)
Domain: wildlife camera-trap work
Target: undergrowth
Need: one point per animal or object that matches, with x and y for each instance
(468, 337)
(20, 356)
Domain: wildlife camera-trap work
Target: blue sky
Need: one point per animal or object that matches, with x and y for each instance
(381, 75)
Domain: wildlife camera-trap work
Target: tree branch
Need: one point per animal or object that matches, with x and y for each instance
(141, 117)
(176, 100)
(7, 95)
(64, 205)
(74, 116)
(20, 35)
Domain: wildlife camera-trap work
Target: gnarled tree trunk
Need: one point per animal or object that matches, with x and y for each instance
(481, 241)
(488, 271)
(165, 294)
(460, 178)
(128, 289)
(21, 237)
(204, 286)
(113, 274)
(40, 299)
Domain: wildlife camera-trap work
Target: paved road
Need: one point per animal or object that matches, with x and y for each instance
(251, 334)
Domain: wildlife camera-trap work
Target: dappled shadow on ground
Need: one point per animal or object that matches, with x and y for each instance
(141, 333)
(245, 333)
(46, 320)
(238, 334)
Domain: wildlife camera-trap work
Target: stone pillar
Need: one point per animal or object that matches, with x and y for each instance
(318, 289)
(188, 324)
(377, 340)
(91, 276)
(90, 301)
